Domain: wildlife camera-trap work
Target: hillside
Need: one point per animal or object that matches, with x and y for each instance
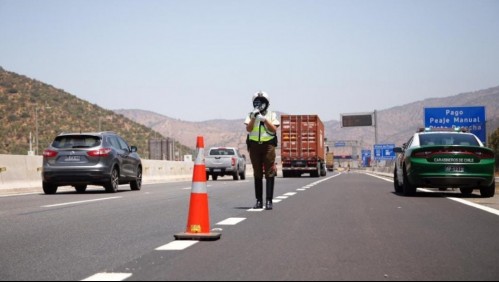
(396, 124)
(23, 101)
(215, 132)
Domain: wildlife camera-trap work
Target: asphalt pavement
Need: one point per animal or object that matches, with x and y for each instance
(348, 226)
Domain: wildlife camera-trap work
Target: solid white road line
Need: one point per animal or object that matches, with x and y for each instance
(108, 277)
(459, 200)
(380, 177)
(177, 246)
(80, 202)
(231, 221)
(478, 206)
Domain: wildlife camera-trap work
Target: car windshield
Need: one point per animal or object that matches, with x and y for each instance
(222, 152)
(448, 139)
(76, 141)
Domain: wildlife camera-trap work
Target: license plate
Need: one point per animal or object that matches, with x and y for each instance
(454, 168)
(217, 170)
(72, 159)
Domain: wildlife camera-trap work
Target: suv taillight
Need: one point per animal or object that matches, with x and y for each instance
(100, 153)
(234, 161)
(49, 154)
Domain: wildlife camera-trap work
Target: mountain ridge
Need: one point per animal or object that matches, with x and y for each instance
(396, 124)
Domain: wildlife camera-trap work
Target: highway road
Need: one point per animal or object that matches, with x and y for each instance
(348, 226)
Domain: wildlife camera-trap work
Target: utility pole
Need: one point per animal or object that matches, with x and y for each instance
(36, 129)
(375, 127)
(375, 132)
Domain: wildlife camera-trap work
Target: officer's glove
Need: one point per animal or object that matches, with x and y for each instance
(254, 113)
(260, 118)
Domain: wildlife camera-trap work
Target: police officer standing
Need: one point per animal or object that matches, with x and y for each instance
(262, 125)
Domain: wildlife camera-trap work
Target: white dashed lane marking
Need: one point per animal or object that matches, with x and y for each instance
(80, 202)
(108, 277)
(232, 221)
(177, 246)
(459, 200)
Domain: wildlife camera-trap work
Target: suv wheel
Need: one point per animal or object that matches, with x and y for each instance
(114, 181)
(49, 188)
(136, 185)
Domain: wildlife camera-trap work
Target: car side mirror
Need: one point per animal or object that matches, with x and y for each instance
(134, 149)
(398, 150)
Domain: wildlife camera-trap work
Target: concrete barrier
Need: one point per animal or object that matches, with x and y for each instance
(21, 172)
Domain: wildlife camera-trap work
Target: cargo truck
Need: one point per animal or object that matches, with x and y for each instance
(330, 161)
(302, 149)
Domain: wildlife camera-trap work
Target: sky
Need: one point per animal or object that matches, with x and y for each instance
(203, 60)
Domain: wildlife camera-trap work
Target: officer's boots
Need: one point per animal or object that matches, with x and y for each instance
(259, 193)
(270, 193)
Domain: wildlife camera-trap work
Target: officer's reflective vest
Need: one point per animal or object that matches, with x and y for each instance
(260, 133)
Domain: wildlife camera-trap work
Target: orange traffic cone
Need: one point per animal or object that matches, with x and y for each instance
(198, 222)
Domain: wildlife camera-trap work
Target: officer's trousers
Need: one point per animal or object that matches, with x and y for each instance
(263, 158)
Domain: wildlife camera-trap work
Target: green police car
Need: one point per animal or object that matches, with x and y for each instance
(439, 158)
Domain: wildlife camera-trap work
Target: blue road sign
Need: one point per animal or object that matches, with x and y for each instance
(472, 118)
(384, 152)
(340, 144)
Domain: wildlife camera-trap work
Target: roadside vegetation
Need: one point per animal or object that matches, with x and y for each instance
(26, 104)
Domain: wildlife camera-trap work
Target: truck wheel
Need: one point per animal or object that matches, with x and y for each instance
(316, 172)
(215, 177)
(235, 176)
(243, 175)
(489, 191)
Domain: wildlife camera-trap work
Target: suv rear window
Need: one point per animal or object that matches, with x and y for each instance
(76, 141)
(447, 139)
(222, 152)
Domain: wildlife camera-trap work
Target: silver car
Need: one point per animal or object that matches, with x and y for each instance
(81, 159)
